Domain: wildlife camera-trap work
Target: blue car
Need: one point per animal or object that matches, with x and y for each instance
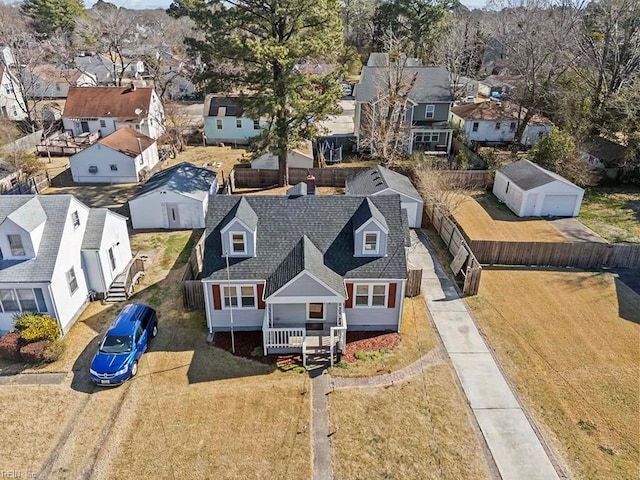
(122, 346)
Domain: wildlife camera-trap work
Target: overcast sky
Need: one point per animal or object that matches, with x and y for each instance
(166, 3)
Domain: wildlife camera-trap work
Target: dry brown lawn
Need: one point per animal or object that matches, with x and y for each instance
(211, 156)
(418, 429)
(418, 339)
(482, 217)
(571, 343)
(192, 410)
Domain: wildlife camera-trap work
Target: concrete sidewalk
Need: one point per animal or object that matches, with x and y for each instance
(514, 445)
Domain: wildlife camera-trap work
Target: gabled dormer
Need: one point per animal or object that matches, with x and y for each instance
(238, 235)
(370, 231)
(21, 231)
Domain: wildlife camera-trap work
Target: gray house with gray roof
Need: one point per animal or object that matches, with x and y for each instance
(54, 250)
(425, 114)
(304, 269)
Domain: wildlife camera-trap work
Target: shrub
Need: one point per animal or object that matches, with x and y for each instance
(462, 161)
(36, 327)
(35, 352)
(54, 352)
(10, 346)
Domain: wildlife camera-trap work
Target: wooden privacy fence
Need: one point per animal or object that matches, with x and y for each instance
(414, 280)
(192, 291)
(325, 177)
(557, 254)
(464, 261)
(27, 186)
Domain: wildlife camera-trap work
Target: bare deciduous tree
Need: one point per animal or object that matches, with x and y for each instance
(449, 189)
(385, 130)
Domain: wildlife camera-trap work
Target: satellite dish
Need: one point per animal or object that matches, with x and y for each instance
(138, 111)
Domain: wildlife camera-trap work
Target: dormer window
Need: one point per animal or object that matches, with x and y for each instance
(15, 243)
(238, 242)
(371, 242)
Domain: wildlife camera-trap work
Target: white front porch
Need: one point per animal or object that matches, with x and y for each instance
(310, 327)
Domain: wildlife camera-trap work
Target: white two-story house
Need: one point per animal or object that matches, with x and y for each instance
(12, 104)
(106, 109)
(54, 251)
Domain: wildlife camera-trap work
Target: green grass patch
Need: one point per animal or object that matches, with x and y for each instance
(613, 213)
(377, 355)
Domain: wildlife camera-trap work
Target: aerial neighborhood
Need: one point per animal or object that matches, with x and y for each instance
(391, 239)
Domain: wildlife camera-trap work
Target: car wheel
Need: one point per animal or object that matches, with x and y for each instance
(134, 369)
(154, 332)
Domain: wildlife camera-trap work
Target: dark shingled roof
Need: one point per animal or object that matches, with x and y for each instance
(378, 178)
(225, 106)
(608, 152)
(304, 256)
(432, 84)
(183, 178)
(120, 102)
(283, 221)
(527, 175)
(40, 268)
(245, 214)
(366, 211)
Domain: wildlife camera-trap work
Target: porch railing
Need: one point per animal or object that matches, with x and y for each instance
(338, 332)
(295, 337)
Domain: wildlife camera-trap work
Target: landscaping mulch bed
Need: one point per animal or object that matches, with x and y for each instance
(369, 342)
(248, 342)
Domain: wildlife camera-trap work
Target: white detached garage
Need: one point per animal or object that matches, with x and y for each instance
(532, 191)
(379, 180)
(175, 198)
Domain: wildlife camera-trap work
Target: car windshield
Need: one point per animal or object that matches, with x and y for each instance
(116, 344)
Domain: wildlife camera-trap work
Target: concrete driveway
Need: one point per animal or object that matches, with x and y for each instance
(516, 449)
(575, 230)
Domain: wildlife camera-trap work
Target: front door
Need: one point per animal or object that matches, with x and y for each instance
(315, 316)
(85, 127)
(173, 215)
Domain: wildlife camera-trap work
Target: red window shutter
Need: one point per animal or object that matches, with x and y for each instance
(391, 300)
(217, 303)
(349, 301)
(260, 291)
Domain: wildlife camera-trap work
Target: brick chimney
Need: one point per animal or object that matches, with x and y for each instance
(311, 184)
(132, 87)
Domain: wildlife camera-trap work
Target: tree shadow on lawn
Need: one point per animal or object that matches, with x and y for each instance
(178, 331)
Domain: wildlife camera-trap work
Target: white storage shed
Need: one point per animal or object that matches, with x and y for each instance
(175, 198)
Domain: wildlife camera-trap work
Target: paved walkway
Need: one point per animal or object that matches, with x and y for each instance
(434, 357)
(320, 435)
(511, 438)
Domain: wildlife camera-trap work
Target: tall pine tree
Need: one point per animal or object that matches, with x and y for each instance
(52, 15)
(252, 46)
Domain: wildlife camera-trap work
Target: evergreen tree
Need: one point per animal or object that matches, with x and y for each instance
(252, 46)
(52, 15)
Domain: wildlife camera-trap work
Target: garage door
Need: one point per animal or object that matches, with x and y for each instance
(559, 205)
(412, 213)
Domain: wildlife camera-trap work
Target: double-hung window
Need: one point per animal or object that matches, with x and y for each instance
(16, 246)
(256, 124)
(75, 218)
(239, 296)
(430, 111)
(72, 281)
(219, 124)
(238, 123)
(22, 299)
(238, 242)
(370, 295)
(475, 126)
(498, 125)
(371, 242)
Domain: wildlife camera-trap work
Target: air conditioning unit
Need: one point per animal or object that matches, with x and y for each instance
(93, 169)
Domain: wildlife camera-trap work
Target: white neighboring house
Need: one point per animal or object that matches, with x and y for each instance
(379, 180)
(106, 109)
(531, 191)
(12, 104)
(175, 198)
(297, 158)
(55, 250)
(48, 81)
(497, 122)
(124, 156)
